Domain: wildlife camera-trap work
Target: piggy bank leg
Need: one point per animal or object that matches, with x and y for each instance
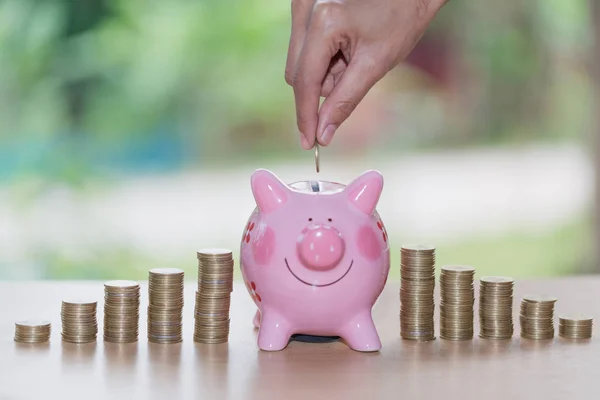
(274, 333)
(256, 320)
(360, 334)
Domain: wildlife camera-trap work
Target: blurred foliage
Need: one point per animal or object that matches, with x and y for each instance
(560, 251)
(197, 79)
(88, 86)
(563, 250)
(518, 68)
(78, 76)
(142, 63)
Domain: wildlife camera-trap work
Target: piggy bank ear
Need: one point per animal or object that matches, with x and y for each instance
(363, 193)
(269, 192)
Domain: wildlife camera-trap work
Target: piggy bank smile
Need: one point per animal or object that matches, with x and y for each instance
(320, 250)
(314, 257)
(315, 281)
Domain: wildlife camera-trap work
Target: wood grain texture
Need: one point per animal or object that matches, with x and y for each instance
(517, 369)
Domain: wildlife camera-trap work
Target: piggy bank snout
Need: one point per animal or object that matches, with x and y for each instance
(320, 247)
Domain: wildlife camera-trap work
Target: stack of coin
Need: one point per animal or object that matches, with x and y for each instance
(213, 297)
(457, 301)
(417, 284)
(537, 317)
(165, 318)
(121, 311)
(575, 326)
(217, 266)
(495, 307)
(32, 331)
(79, 323)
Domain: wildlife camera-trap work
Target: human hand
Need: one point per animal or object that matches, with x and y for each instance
(339, 49)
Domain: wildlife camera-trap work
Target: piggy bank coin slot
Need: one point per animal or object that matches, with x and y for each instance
(317, 187)
(314, 185)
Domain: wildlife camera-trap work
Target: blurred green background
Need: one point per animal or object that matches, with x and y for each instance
(129, 130)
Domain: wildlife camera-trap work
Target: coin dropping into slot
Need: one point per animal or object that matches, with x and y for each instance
(317, 160)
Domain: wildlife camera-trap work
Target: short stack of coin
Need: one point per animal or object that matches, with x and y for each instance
(537, 317)
(213, 298)
(165, 308)
(32, 331)
(79, 323)
(575, 326)
(121, 311)
(417, 284)
(457, 301)
(495, 307)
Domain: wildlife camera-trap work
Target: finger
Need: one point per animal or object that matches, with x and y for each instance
(338, 64)
(356, 81)
(327, 85)
(336, 69)
(311, 69)
(301, 10)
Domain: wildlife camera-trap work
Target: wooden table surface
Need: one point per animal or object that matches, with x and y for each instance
(477, 369)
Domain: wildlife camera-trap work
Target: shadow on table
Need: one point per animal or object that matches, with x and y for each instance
(33, 349)
(164, 366)
(211, 368)
(312, 370)
(120, 359)
(78, 357)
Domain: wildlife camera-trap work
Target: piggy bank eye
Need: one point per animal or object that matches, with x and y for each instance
(329, 219)
(310, 219)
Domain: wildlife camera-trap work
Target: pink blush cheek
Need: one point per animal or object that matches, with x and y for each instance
(368, 243)
(263, 247)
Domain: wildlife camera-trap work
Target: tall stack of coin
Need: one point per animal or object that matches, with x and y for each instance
(417, 284)
(32, 331)
(537, 317)
(121, 311)
(575, 326)
(79, 323)
(457, 301)
(495, 307)
(213, 298)
(165, 318)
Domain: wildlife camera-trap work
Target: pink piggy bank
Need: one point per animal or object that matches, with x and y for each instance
(315, 258)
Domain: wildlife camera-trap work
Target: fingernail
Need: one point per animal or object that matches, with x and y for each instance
(304, 141)
(327, 134)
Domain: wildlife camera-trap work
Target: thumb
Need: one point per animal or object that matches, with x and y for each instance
(358, 78)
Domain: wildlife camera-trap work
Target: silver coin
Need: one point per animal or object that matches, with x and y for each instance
(317, 158)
